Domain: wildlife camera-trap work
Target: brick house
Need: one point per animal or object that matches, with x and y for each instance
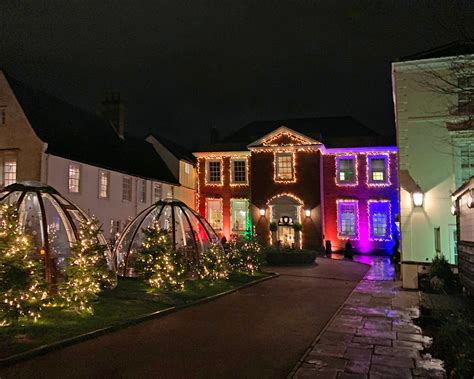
(302, 171)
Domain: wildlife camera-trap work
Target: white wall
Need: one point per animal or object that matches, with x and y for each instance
(111, 208)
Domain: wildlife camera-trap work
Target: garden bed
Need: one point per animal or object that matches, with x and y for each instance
(129, 300)
(290, 257)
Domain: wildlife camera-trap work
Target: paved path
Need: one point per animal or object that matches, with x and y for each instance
(373, 334)
(260, 331)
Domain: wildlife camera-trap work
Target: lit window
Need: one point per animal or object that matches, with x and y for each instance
(157, 191)
(114, 227)
(74, 182)
(9, 171)
(346, 170)
(187, 168)
(143, 191)
(239, 213)
(214, 213)
(347, 218)
(379, 220)
(103, 184)
(214, 171)
(284, 166)
(126, 189)
(378, 170)
(437, 238)
(239, 171)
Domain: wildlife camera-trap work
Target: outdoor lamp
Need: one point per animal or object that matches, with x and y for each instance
(262, 211)
(308, 212)
(418, 199)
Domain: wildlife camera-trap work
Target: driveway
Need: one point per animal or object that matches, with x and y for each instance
(259, 331)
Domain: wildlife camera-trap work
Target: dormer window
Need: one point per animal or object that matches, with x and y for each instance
(284, 167)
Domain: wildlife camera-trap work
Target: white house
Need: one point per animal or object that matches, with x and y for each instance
(436, 150)
(87, 157)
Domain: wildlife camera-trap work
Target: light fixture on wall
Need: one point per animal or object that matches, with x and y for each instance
(469, 199)
(307, 212)
(418, 198)
(262, 211)
(454, 209)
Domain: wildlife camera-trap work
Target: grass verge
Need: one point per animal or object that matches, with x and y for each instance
(130, 299)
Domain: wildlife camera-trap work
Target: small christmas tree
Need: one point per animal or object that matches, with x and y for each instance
(213, 264)
(245, 254)
(158, 263)
(87, 271)
(22, 290)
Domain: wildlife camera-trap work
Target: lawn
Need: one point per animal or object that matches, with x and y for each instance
(130, 299)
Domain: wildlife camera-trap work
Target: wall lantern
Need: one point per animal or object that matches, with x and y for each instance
(454, 209)
(307, 212)
(469, 199)
(418, 199)
(262, 211)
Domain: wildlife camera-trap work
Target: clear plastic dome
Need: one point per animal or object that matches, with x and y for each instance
(51, 221)
(191, 233)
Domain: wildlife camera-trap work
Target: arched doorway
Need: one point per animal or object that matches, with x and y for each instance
(285, 210)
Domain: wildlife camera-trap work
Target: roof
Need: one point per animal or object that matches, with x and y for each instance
(452, 49)
(178, 151)
(338, 131)
(76, 134)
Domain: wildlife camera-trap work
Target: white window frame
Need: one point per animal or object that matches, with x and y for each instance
(232, 170)
(101, 194)
(339, 171)
(220, 202)
(208, 171)
(130, 197)
(370, 171)
(232, 220)
(278, 177)
(71, 185)
(187, 168)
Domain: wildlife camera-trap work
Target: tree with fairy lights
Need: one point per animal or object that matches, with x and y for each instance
(245, 254)
(22, 288)
(213, 264)
(158, 263)
(87, 271)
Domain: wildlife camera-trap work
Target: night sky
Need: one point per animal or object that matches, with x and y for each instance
(185, 66)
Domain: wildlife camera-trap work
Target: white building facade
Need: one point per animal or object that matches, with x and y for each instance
(436, 154)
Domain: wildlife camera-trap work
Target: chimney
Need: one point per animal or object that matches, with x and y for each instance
(214, 134)
(113, 109)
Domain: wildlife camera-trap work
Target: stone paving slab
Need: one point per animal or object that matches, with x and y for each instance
(373, 335)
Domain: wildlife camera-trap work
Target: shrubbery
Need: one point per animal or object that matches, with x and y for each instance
(245, 254)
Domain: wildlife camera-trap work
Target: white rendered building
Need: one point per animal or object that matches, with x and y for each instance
(436, 151)
(86, 157)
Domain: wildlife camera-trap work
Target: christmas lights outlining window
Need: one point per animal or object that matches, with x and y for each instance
(214, 213)
(347, 219)
(379, 213)
(238, 174)
(378, 170)
(214, 172)
(346, 170)
(74, 178)
(283, 166)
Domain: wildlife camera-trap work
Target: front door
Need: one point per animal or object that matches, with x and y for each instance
(286, 235)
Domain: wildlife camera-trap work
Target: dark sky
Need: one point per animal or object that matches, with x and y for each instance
(185, 66)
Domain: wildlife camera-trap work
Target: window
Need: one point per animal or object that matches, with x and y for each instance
(239, 171)
(239, 213)
(467, 161)
(114, 227)
(346, 170)
(157, 191)
(74, 182)
(284, 166)
(465, 95)
(7, 168)
(142, 196)
(214, 213)
(347, 218)
(437, 240)
(378, 170)
(214, 171)
(103, 184)
(379, 213)
(187, 168)
(126, 189)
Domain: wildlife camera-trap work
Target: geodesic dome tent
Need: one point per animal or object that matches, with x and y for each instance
(191, 234)
(51, 222)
